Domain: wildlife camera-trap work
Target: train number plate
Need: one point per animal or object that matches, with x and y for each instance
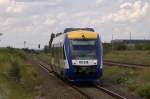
(83, 62)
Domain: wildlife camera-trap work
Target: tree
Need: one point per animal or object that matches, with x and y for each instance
(120, 47)
(1, 34)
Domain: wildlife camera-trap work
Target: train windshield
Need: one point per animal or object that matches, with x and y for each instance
(84, 49)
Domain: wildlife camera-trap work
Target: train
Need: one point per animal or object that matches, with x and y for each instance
(76, 54)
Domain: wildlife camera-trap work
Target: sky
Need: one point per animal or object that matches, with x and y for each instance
(33, 21)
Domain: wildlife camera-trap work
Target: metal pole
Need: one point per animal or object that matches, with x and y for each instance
(112, 41)
(0, 35)
(24, 44)
(130, 36)
(39, 46)
(112, 37)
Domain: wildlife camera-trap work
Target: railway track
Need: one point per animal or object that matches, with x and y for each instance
(111, 63)
(90, 92)
(109, 92)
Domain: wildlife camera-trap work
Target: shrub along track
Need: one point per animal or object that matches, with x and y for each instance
(92, 91)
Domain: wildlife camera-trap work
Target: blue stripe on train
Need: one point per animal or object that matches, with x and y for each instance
(68, 72)
(87, 78)
(99, 52)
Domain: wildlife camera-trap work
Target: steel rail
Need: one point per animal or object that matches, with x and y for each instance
(111, 63)
(72, 86)
(111, 93)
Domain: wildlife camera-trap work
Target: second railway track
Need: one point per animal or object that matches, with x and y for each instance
(129, 65)
(90, 92)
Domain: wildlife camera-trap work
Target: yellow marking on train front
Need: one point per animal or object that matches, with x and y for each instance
(82, 35)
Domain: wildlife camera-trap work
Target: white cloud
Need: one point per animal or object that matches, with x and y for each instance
(51, 20)
(126, 5)
(130, 12)
(55, 2)
(42, 2)
(11, 6)
(99, 2)
(4, 2)
(16, 8)
(9, 21)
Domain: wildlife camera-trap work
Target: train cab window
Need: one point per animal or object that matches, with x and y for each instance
(84, 49)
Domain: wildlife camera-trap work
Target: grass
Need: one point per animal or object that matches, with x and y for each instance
(16, 75)
(46, 57)
(137, 81)
(132, 56)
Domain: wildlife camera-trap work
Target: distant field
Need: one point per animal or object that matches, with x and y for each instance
(135, 57)
(16, 75)
(136, 81)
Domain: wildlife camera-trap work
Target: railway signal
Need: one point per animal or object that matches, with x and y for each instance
(39, 46)
(25, 44)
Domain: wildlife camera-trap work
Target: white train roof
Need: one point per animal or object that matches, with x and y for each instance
(58, 41)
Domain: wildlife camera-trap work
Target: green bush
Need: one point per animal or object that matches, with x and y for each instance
(149, 52)
(16, 76)
(139, 47)
(133, 87)
(142, 46)
(107, 47)
(15, 72)
(144, 91)
(147, 47)
(119, 78)
(27, 78)
(120, 47)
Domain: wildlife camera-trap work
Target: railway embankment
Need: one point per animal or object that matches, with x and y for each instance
(22, 78)
(129, 80)
(128, 70)
(16, 75)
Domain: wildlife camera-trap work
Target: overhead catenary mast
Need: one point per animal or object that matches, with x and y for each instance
(25, 44)
(0, 35)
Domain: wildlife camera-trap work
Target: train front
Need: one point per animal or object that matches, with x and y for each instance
(84, 55)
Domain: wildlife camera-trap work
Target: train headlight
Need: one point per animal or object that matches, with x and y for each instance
(95, 62)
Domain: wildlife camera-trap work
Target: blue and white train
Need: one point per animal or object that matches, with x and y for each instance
(77, 54)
